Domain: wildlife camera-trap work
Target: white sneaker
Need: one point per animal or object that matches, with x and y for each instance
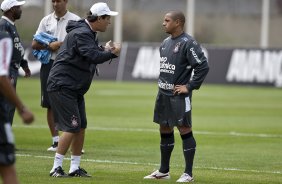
(53, 147)
(158, 175)
(185, 178)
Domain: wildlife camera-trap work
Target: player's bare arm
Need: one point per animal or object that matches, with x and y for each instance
(27, 72)
(8, 91)
(54, 46)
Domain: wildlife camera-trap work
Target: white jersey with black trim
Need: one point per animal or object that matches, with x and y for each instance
(55, 26)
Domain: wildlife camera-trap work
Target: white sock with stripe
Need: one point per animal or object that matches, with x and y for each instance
(55, 139)
(75, 163)
(58, 161)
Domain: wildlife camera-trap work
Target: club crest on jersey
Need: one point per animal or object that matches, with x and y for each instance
(74, 122)
(176, 47)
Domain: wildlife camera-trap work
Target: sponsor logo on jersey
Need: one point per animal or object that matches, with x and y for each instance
(195, 55)
(165, 86)
(260, 66)
(166, 67)
(18, 45)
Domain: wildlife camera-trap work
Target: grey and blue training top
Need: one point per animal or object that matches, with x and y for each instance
(17, 60)
(179, 57)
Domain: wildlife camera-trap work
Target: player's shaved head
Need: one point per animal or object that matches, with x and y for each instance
(177, 15)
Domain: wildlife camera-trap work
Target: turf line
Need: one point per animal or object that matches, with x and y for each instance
(236, 134)
(154, 164)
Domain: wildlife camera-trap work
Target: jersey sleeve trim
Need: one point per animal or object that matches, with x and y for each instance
(5, 55)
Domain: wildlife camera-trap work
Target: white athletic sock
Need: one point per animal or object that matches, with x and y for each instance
(58, 161)
(75, 163)
(55, 139)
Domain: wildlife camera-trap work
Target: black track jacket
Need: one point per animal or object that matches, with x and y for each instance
(18, 50)
(75, 64)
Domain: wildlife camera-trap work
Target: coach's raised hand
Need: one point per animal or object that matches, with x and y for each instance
(116, 48)
(109, 46)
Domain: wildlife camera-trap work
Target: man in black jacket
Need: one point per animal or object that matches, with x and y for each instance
(70, 78)
(12, 12)
(180, 56)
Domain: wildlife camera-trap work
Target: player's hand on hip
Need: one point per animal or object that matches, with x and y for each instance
(180, 89)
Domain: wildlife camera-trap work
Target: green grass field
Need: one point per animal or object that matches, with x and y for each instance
(238, 132)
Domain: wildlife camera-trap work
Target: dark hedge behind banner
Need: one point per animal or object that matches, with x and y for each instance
(140, 62)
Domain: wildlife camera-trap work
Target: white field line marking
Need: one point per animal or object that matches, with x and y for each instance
(236, 134)
(154, 164)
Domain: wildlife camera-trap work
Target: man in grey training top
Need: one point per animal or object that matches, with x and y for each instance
(180, 55)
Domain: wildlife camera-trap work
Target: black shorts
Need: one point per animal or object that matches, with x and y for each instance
(7, 148)
(69, 110)
(173, 110)
(44, 73)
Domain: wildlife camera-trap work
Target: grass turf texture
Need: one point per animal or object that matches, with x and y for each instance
(238, 132)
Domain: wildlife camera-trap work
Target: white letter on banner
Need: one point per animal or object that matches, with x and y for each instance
(254, 65)
(278, 81)
(147, 64)
(237, 63)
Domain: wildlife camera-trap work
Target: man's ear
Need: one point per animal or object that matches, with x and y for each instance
(177, 21)
(99, 19)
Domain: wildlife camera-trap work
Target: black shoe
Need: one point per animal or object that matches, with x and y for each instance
(58, 172)
(79, 173)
